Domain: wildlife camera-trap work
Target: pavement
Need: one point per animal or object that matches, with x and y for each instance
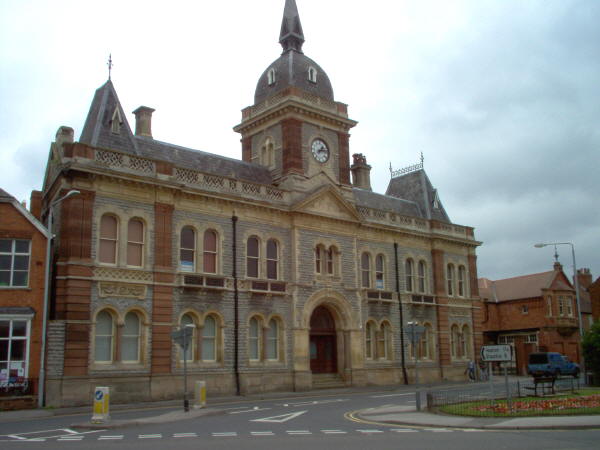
(405, 415)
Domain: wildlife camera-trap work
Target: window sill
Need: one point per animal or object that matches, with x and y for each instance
(15, 288)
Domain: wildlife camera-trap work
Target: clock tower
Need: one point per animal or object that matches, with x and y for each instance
(295, 127)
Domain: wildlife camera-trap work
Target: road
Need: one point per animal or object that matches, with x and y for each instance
(323, 420)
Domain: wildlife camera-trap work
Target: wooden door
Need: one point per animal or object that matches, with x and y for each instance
(323, 348)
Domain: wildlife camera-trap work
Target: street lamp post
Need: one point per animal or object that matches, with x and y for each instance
(42, 376)
(541, 245)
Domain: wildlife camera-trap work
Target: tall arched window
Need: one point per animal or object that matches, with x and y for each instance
(330, 263)
(454, 341)
(109, 237)
(271, 76)
(104, 338)
(450, 278)
(135, 243)
(209, 339)
(421, 271)
(187, 250)
(427, 342)
(312, 74)
(370, 340)
(465, 342)
(210, 251)
(186, 320)
(365, 265)
(131, 337)
(319, 259)
(409, 269)
(273, 340)
(461, 280)
(384, 341)
(267, 153)
(272, 259)
(254, 339)
(379, 272)
(252, 255)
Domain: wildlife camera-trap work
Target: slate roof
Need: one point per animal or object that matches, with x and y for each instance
(363, 197)
(5, 196)
(416, 187)
(526, 286)
(97, 132)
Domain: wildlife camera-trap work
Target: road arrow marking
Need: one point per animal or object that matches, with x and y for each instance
(280, 419)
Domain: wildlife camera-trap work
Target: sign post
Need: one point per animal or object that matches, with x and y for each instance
(183, 338)
(101, 405)
(415, 332)
(498, 353)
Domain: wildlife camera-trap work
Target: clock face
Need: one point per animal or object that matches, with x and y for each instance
(320, 150)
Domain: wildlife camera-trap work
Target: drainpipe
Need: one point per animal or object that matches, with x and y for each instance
(401, 315)
(236, 367)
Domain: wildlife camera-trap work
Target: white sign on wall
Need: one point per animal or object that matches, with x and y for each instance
(496, 353)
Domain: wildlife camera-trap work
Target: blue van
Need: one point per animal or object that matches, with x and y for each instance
(551, 364)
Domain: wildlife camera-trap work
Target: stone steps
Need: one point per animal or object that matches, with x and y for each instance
(327, 381)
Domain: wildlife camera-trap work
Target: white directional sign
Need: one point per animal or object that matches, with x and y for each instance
(496, 353)
(280, 419)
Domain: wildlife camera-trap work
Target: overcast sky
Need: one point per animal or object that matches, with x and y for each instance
(502, 97)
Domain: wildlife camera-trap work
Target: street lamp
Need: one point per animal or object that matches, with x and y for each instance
(541, 245)
(42, 377)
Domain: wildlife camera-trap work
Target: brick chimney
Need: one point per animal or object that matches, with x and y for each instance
(35, 204)
(143, 121)
(584, 277)
(361, 172)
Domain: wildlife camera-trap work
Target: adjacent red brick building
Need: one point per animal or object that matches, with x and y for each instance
(536, 312)
(22, 275)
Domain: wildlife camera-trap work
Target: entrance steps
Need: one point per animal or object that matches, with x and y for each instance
(327, 381)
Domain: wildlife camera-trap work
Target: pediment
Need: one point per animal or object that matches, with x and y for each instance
(329, 203)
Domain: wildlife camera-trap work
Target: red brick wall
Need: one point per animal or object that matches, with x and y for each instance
(344, 155)
(247, 149)
(15, 226)
(595, 298)
(291, 130)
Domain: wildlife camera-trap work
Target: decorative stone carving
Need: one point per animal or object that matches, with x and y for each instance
(106, 289)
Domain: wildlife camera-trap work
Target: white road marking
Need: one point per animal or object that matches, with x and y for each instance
(320, 402)
(262, 433)
(472, 430)
(392, 395)
(369, 431)
(403, 430)
(439, 430)
(15, 436)
(249, 410)
(111, 437)
(294, 432)
(224, 434)
(149, 436)
(70, 438)
(334, 432)
(185, 435)
(36, 440)
(280, 419)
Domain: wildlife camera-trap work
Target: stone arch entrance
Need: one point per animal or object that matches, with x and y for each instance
(322, 341)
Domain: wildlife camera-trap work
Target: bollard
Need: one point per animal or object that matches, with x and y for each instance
(101, 405)
(199, 394)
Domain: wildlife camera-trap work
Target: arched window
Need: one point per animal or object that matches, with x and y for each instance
(370, 340)
(209, 339)
(210, 251)
(427, 343)
(365, 265)
(188, 320)
(409, 269)
(421, 271)
(109, 237)
(104, 338)
(135, 243)
(267, 153)
(379, 271)
(312, 74)
(454, 341)
(384, 338)
(252, 255)
(330, 260)
(271, 77)
(131, 337)
(116, 122)
(319, 259)
(461, 280)
(272, 259)
(273, 340)
(465, 342)
(450, 278)
(187, 250)
(254, 339)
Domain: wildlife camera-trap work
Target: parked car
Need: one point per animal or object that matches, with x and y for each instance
(551, 364)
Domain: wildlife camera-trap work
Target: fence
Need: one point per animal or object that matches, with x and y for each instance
(517, 398)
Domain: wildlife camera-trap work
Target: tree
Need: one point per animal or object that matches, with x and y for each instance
(591, 349)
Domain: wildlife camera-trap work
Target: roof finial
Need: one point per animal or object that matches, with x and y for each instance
(291, 36)
(422, 159)
(109, 64)
(555, 254)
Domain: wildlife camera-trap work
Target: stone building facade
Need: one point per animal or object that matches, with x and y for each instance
(23, 242)
(291, 274)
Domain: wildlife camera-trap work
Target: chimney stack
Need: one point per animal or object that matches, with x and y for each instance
(35, 204)
(584, 277)
(361, 172)
(143, 121)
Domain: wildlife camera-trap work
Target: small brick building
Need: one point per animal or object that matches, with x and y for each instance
(292, 272)
(22, 273)
(536, 312)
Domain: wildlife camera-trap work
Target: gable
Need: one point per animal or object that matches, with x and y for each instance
(329, 203)
(561, 283)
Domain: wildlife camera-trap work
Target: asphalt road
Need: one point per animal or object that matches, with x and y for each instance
(319, 421)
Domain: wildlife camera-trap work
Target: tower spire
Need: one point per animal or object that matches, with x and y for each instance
(291, 36)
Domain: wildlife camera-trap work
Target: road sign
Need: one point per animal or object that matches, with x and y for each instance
(496, 353)
(183, 336)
